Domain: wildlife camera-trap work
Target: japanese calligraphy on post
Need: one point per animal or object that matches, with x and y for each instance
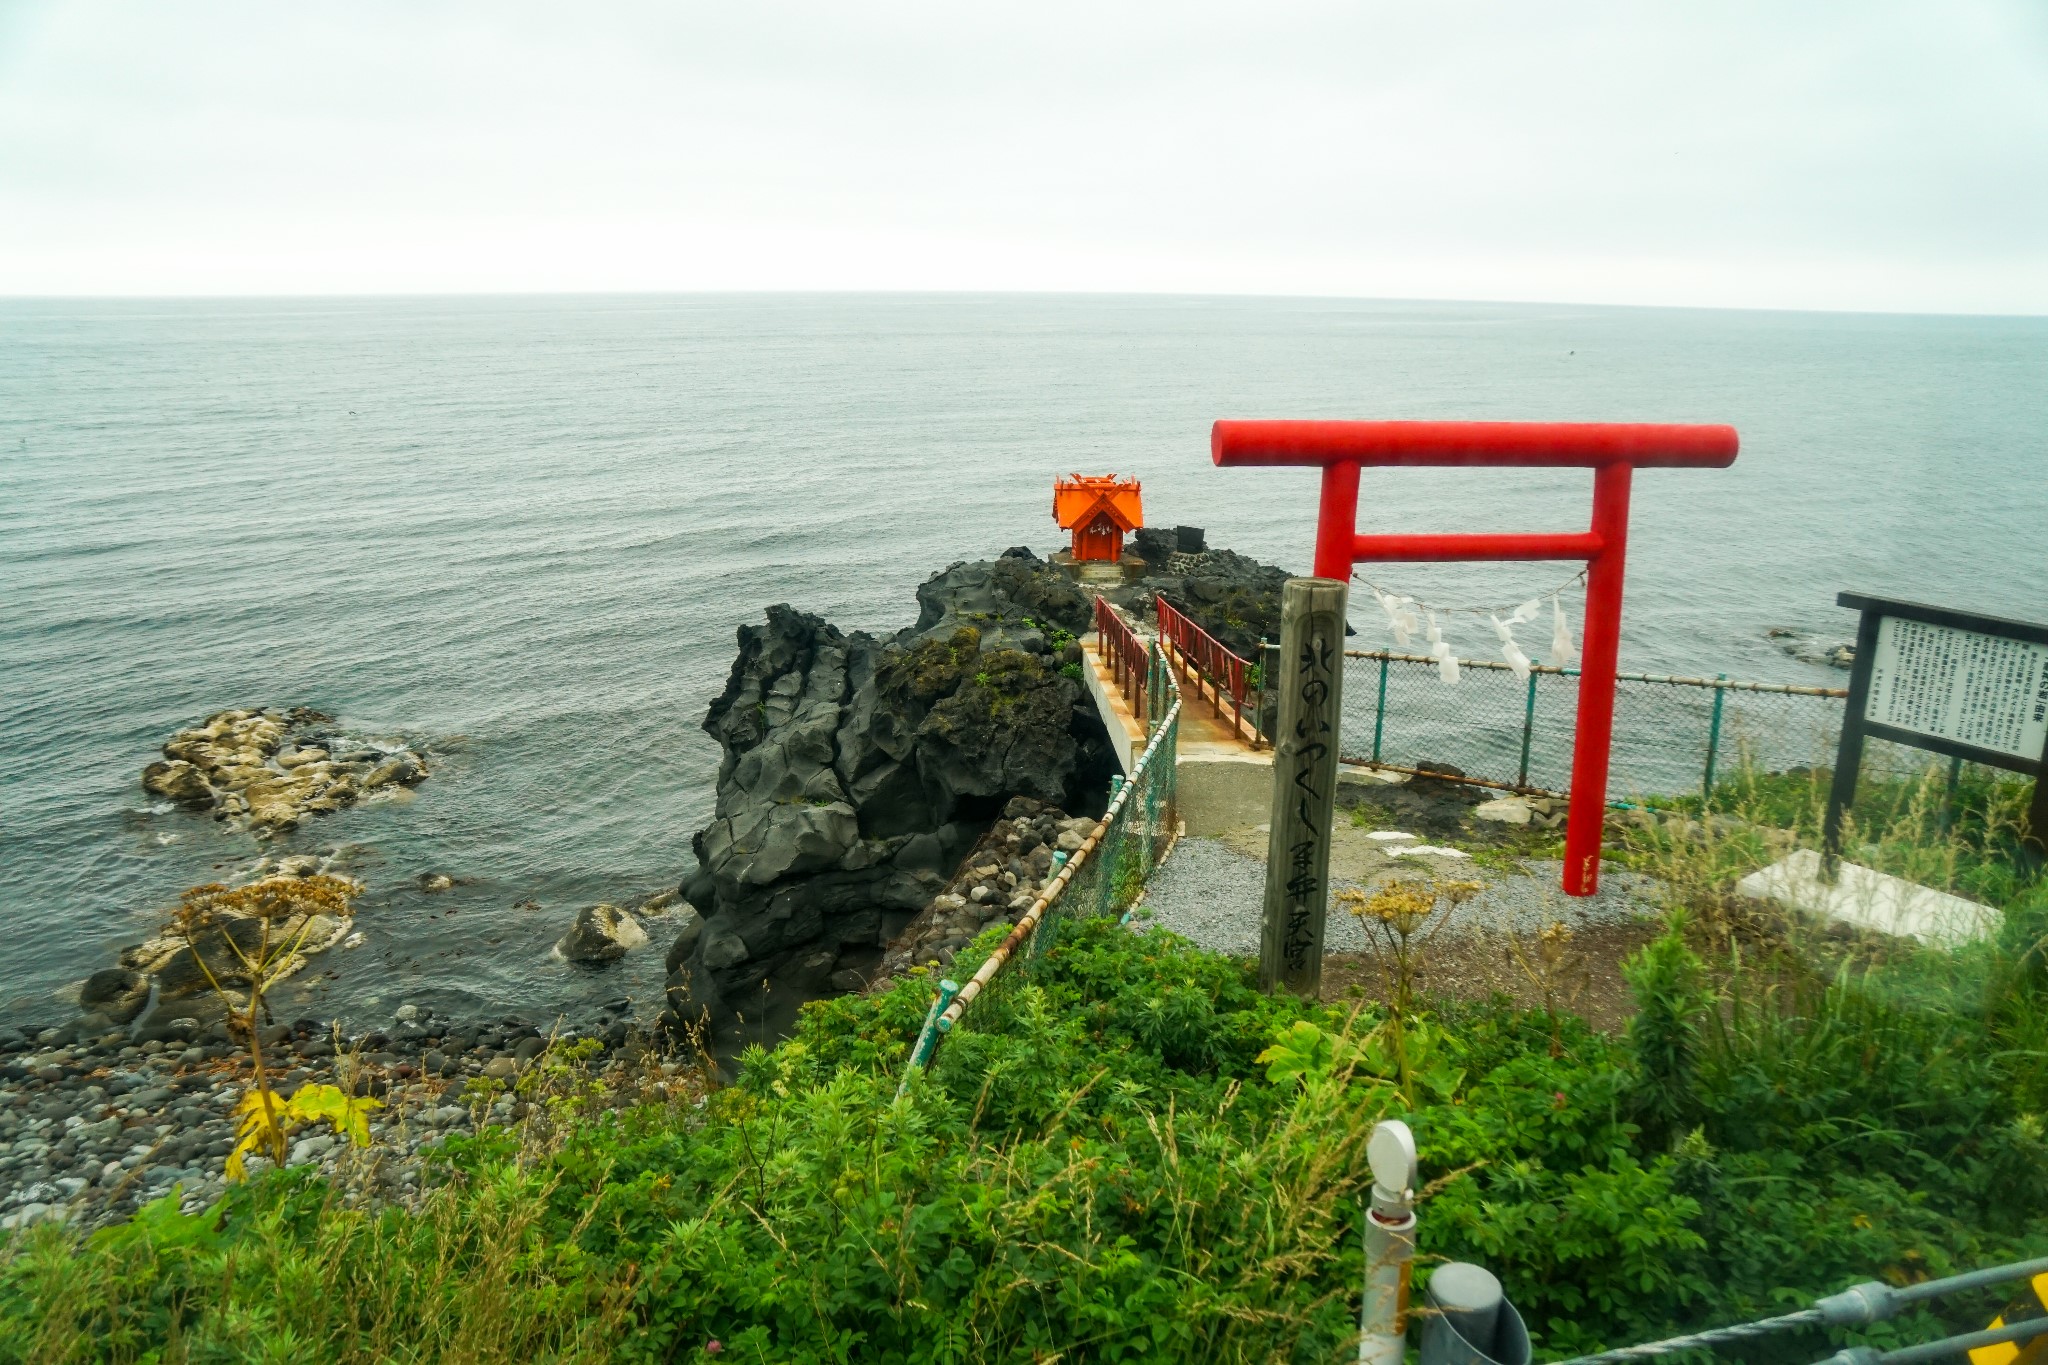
(1305, 759)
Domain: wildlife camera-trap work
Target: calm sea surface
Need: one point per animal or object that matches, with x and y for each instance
(522, 531)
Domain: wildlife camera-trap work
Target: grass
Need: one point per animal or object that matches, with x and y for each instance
(1127, 1153)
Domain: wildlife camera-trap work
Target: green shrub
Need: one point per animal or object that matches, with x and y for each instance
(1125, 1153)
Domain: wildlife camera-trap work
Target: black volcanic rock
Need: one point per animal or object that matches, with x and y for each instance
(1232, 596)
(857, 771)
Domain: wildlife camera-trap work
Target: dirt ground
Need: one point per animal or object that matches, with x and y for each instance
(1476, 967)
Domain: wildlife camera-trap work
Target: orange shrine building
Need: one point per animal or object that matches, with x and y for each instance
(1100, 510)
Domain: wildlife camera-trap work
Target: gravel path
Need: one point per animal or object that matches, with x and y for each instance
(1211, 894)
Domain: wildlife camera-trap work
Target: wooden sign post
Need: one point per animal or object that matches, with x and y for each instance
(1311, 687)
(1952, 682)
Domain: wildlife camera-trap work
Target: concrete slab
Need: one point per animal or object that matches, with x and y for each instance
(1220, 791)
(1870, 900)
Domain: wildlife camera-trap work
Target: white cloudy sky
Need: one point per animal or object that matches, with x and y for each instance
(1867, 154)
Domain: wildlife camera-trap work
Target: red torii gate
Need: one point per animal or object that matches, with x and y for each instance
(1612, 450)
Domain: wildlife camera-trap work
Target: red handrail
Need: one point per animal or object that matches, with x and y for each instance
(1208, 663)
(1124, 652)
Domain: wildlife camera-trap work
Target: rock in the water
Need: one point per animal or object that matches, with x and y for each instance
(435, 881)
(274, 767)
(116, 992)
(223, 941)
(601, 933)
(176, 780)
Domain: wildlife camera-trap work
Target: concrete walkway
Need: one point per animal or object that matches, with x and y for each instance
(1222, 782)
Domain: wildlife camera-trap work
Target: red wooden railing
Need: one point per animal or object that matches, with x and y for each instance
(1124, 653)
(1216, 673)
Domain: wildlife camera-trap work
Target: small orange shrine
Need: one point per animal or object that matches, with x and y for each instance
(1100, 510)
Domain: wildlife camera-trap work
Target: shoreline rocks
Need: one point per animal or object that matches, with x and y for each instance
(997, 882)
(273, 768)
(92, 1128)
(177, 966)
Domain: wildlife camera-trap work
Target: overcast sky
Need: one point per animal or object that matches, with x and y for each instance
(1859, 155)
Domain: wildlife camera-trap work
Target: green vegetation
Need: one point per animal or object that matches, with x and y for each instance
(1127, 1153)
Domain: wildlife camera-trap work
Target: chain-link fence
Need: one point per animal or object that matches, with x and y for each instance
(1107, 873)
(1671, 735)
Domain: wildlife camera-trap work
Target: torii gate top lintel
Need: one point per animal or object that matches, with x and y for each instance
(1552, 445)
(1612, 450)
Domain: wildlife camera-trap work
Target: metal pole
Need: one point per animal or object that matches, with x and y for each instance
(928, 1036)
(1389, 1245)
(1584, 826)
(1528, 724)
(1379, 713)
(1713, 741)
(1849, 750)
(1948, 800)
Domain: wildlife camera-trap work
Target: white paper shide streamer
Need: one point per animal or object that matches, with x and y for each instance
(1401, 620)
(1440, 650)
(1400, 617)
(1561, 651)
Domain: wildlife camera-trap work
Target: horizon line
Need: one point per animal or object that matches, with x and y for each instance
(1247, 296)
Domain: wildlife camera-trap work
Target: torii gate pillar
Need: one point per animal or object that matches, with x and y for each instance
(1613, 451)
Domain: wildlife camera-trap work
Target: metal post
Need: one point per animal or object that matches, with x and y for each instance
(1389, 1244)
(1269, 681)
(1713, 740)
(1304, 785)
(1585, 823)
(1948, 800)
(1849, 749)
(928, 1036)
(1528, 724)
(1379, 711)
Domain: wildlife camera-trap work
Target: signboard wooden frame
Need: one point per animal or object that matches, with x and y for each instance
(1857, 724)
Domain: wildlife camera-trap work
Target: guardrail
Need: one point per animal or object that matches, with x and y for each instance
(1129, 660)
(1671, 733)
(1104, 875)
(1216, 672)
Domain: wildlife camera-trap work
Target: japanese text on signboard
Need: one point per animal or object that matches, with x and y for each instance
(1962, 685)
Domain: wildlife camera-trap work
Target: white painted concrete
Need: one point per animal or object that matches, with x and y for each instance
(1870, 900)
(1126, 731)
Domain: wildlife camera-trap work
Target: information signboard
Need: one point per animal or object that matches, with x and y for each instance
(1953, 682)
(1973, 688)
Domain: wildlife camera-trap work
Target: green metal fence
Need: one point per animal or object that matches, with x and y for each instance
(1107, 873)
(1671, 734)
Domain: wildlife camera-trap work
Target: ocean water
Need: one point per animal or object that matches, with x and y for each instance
(522, 532)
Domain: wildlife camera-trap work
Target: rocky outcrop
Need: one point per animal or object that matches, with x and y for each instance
(1802, 646)
(189, 957)
(857, 771)
(274, 768)
(601, 933)
(1233, 597)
